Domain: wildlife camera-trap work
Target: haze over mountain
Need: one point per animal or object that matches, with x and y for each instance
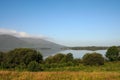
(9, 42)
(41, 43)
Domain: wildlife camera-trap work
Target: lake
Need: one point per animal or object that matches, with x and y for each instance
(80, 53)
(76, 53)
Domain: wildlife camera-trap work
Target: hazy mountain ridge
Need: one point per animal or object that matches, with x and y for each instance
(41, 43)
(8, 42)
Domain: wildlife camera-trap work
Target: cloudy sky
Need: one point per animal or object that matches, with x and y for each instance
(67, 22)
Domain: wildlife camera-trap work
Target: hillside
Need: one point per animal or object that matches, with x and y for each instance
(40, 43)
(8, 42)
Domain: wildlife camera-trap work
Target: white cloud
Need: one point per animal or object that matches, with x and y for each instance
(21, 34)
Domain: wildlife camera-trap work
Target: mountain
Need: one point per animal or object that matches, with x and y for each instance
(41, 43)
(8, 42)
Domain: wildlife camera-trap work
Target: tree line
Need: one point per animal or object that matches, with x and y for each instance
(93, 48)
(32, 60)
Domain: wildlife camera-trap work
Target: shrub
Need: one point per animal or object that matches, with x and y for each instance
(113, 53)
(20, 67)
(34, 66)
(58, 58)
(93, 59)
(1, 57)
(77, 61)
(49, 60)
(22, 55)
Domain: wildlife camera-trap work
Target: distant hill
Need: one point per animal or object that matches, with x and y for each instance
(41, 43)
(8, 42)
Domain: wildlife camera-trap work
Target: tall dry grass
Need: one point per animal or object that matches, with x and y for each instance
(13, 75)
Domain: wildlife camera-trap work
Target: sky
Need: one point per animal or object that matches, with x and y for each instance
(66, 22)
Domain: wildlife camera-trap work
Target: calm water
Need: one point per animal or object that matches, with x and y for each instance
(80, 53)
(76, 53)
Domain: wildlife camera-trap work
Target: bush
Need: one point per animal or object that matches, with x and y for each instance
(1, 57)
(34, 66)
(21, 67)
(113, 53)
(77, 61)
(49, 60)
(93, 59)
(22, 55)
(59, 58)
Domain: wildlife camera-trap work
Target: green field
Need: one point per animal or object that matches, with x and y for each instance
(63, 75)
(109, 71)
(108, 66)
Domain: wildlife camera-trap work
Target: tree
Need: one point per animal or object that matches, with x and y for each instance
(34, 66)
(69, 57)
(77, 61)
(93, 59)
(22, 55)
(32, 56)
(113, 53)
(21, 67)
(58, 58)
(49, 60)
(1, 57)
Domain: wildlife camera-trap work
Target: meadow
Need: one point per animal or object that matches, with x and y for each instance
(107, 67)
(109, 71)
(63, 75)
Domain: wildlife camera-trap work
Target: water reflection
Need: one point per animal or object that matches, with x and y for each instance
(80, 53)
(76, 53)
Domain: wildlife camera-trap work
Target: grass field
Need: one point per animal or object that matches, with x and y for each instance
(13, 75)
(109, 71)
(107, 67)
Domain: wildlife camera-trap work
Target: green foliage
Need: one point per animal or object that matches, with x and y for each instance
(108, 66)
(28, 59)
(4, 65)
(49, 60)
(93, 59)
(34, 66)
(69, 57)
(1, 57)
(21, 67)
(113, 53)
(59, 58)
(18, 56)
(77, 61)
(32, 56)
